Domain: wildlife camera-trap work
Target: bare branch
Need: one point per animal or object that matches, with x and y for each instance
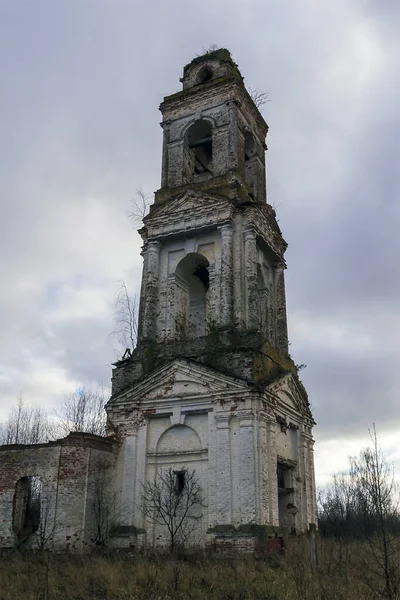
(83, 411)
(104, 503)
(173, 501)
(259, 97)
(26, 425)
(361, 504)
(125, 320)
(140, 205)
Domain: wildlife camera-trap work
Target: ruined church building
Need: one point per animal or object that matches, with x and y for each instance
(211, 386)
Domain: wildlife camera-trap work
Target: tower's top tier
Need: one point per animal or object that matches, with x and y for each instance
(214, 134)
(210, 67)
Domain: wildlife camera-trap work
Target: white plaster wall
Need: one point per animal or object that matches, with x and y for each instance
(287, 443)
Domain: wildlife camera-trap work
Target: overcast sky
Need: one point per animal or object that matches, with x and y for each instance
(81, 82)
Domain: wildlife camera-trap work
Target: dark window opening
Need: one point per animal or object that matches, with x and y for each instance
(191, 295)
(179, 483)
(205, 75)
(204, 276)
(26, 506)
(249, 146)
(284, 475)
(199, 141)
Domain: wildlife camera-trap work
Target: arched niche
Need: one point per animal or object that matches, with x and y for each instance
(192, 282)
(26, 506)
(178, 439)
(198, 151)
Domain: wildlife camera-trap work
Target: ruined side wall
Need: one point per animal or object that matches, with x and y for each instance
(64, 468)
(16, 462)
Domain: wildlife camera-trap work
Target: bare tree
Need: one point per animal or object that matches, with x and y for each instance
(259, 97)
(125, 320)
(376, 487)
(360, 504)
(338, 508)
(45, 531)
(83, 411)
(173, 501)
(26, 425)
(140, 205)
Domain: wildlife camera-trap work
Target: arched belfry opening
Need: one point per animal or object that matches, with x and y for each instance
(206, 74)
(192, 281)
(199, 151)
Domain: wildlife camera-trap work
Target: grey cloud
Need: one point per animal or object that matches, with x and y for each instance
(80, 132)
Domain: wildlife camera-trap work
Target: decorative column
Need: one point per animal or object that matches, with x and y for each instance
(281, 320)
(247, 467)
(152, 260)
(226, 275)
(224, 482)
(250, 266)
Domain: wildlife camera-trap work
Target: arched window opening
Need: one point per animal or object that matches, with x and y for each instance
(205, 75)
(26, 506)
(192, 281)
(199, 144)
(250, 161)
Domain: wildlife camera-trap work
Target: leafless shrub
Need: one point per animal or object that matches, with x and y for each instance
(45, 532)
(26, 425)
(259, 97)
(173, 501)
(125, 320)
(209, 50)
(140, 205)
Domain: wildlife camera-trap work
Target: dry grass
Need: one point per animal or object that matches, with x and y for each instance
(340, 576)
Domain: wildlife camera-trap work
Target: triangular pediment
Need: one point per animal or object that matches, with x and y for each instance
(186, 201)
(182, 379)
(189, 210)
(290, 394)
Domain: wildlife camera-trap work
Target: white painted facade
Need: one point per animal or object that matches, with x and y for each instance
(211, 386)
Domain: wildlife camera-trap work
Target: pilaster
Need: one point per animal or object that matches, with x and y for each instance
(250, 265)
(281, 319)
(226, 274)
(263, 467)
(224, 480)
(247, 467)
(128, 452)
(272, 468)
(164, 166)
(152, 264)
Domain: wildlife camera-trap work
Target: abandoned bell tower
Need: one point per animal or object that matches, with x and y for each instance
(211, 386)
